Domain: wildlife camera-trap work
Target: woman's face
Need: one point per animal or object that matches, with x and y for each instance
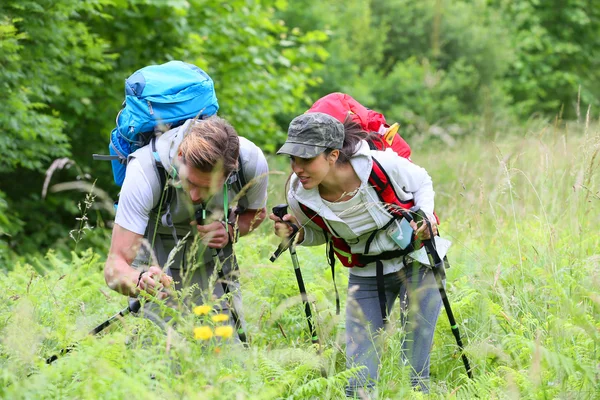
(312, 171)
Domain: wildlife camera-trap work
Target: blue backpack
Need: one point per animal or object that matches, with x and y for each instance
(157, 97)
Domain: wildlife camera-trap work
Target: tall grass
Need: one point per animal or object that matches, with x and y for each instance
(523, 214)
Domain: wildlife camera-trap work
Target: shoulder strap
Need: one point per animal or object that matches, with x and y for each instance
(237, 182)
(165, 198)
(241, 177)
(329, 249)
(381, 182)
(166, 193)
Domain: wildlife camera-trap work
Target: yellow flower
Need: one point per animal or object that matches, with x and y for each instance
(201, 310)
(220, 318)
(203, 332)
(224, 331)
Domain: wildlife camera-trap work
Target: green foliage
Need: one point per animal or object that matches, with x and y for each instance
(556, 46)
(49, 56)
(443, 68)
(445, 62)
(9, 227)
(522, 214)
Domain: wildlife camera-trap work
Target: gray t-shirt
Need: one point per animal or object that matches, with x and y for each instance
(137, 197)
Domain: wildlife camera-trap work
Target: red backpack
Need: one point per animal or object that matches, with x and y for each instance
(342, 106)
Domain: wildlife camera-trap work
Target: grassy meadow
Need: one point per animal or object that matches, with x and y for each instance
(523, 214)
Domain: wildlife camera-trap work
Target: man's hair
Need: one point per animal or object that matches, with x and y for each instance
(211, 143)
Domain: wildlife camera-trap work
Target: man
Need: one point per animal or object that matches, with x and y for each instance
(206, 164)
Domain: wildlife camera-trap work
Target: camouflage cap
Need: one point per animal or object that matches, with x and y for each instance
(311, 134)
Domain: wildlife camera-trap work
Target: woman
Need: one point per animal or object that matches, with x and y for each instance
(332, 196)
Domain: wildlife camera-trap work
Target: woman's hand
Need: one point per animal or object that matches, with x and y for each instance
(422, 230)
(283, 228)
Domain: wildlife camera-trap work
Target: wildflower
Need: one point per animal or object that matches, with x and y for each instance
(224, 331)
(203, 332)
(220, 318)
(201, 310)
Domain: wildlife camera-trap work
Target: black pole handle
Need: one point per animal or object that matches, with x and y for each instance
(200, 215)
(280, 211)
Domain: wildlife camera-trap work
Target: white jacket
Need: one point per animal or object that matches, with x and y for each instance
(410, 182)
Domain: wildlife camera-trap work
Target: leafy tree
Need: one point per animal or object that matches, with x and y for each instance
(47, 54)
(443, 62)
(355, 46)
(64, 70)
(421, 63)
(557, 48)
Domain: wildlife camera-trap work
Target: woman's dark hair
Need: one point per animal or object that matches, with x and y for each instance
(353, 134)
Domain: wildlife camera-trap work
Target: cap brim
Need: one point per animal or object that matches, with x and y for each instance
(301, 150)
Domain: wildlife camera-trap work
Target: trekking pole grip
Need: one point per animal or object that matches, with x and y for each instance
(199, 216)
(280, 211)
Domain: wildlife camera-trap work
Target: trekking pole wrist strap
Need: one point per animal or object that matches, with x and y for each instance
(139, 279)
(232, 234)
(235, 231)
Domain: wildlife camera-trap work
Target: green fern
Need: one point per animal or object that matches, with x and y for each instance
(332, 387)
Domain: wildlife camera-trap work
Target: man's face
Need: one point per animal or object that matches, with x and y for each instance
(200, 186)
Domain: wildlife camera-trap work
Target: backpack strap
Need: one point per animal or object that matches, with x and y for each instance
(237, 182)
(381, 182)
(167, 192)
(241, 177)
(381, 290)
(329, 249)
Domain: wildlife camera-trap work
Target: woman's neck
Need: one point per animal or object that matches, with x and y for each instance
(340, 183)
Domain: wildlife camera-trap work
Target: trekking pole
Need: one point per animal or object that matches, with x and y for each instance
(288, 244)
(438, 267)
(133, 307)
(200, 217)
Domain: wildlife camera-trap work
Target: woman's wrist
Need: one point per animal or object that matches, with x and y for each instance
(300, 236)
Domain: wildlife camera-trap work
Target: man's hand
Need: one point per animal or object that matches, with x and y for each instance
(120, 275)
(154, 281)
(214, 235)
